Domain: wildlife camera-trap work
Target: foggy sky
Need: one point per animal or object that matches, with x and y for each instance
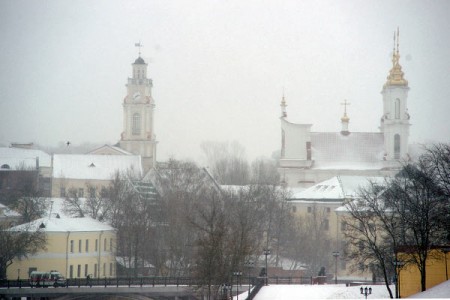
(219, 68)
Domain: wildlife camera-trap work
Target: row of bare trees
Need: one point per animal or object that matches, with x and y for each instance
(409, 213)
(21, 192)
(180, 221)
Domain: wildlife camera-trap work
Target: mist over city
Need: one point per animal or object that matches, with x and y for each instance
(219, 69)
(224, 150)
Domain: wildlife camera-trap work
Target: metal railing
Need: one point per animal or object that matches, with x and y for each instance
(150, 281)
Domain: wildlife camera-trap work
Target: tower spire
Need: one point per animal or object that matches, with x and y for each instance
(283, 106)
(345, 119)
(396, 75)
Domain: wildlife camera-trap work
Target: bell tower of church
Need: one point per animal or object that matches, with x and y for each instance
(138, 109)
(395, 120)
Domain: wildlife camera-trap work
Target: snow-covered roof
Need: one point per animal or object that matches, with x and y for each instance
(7, 212)
(356, 151)
(102, 167)
(64, 224)
(16, 158)
(336, 188)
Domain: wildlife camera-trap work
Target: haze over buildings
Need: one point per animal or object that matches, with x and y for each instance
(219, 68)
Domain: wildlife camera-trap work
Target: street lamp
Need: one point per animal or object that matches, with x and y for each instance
(366, 291)
(237, 274)
(336, 255)
(266, 252)
(249, 264)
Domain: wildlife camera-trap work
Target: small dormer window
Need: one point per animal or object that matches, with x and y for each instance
(92, 165)
(5, 166)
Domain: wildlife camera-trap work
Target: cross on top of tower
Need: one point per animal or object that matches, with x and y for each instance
(345, 103)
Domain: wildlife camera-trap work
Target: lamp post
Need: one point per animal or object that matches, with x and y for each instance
(366, 291)
(249, 264)
(266, 252)
(237, 274)
(336, 255)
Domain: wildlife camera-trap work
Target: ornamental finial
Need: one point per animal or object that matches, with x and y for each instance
(396, 75)
(283, 106)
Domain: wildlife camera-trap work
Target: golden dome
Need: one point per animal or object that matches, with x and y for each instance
(395, 77)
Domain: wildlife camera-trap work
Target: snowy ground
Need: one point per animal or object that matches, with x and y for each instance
(438, 291)
(327, 291)
(331, 291)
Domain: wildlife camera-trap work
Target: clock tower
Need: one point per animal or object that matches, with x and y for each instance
(138, 109)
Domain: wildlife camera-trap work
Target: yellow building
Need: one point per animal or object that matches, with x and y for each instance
(323, 203)
(75, 247)
(437, 271)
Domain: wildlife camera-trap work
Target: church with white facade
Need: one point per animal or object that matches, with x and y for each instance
(309, 157)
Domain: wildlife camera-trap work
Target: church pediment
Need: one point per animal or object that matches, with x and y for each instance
(109, 150)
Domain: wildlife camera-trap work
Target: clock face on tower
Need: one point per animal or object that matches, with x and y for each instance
(136, 96)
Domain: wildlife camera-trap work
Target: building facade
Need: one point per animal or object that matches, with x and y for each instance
(309, 157)
(323, 205)
(76, 247)
(89, 173)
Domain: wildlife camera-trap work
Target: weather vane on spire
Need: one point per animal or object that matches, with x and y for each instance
(139, 45)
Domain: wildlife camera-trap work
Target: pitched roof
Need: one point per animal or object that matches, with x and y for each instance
(64, 224)
(56, 219)
(109, 150)
(358, 150)
(102, 167)
(336, 188)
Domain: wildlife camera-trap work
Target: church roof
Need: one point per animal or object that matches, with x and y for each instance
(102, 167)
(109, 150)
(358, 150)
(139, 61)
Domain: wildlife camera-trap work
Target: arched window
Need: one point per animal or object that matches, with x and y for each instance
(397, 108)
(5, 166)
(136, 127)
(397, 146)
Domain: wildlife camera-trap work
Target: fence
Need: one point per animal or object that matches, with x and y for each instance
(154, 281)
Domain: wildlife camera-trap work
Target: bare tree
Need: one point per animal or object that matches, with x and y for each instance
(18, 244)
(372, 231)
(96, 204)
(419, 200)
(20, 190)
(227, 162)
(73, 205)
